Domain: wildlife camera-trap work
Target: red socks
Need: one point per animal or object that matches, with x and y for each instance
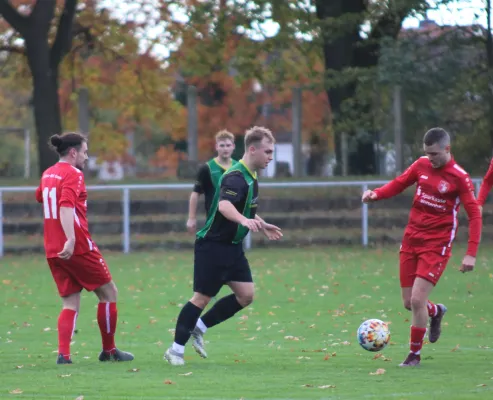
(417, 336)
(107, 316)
(432, 309)
(66, 326)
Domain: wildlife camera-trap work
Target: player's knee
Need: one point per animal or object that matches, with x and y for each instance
(417, 303)
(200, 300)
(245, 299)
(107, 293)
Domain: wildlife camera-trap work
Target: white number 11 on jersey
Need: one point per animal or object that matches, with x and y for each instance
(49, 198)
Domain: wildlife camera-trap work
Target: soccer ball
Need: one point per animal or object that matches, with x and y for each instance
(373, 335)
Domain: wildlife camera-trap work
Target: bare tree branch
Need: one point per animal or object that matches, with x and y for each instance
(13, 17)
(64, 35)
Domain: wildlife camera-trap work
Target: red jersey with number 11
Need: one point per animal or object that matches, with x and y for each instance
(62, 185)
(433, 218)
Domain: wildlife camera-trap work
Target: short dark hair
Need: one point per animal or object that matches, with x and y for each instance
(436, 135)
(63, 143)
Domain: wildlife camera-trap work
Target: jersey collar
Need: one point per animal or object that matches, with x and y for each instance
(215, 160)
(253, 174)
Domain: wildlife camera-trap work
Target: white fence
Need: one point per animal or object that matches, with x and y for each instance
(125, 190)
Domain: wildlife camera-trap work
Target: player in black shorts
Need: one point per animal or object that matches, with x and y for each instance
(209, 174)
(219, 256)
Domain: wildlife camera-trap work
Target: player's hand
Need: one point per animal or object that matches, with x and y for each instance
(467, 263)
(369, 196)
(192, 225)
(252, 224)
(271, 232)
(68, 249)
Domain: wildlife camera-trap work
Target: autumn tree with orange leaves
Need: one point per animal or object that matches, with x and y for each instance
(238, 78)
(65, 44)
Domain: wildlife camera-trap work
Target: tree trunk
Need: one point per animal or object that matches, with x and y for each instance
(338, 55)
(489, 66)
(45, 99)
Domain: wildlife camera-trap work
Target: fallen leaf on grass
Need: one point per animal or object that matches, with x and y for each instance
(455, 348)
(252, 338)
(168, 382)
(79, 398)
(19, 366)
(292, 338)
(379, 371)
(327, 386)
(64, 376)
(380, 355)
(481, 384)
(133, 370)
(307, 385)
(187, 374)
(326, 357)
(7, 282)
(16, 391)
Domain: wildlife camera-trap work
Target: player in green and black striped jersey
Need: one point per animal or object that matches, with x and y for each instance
(209, 174)
(219, 257)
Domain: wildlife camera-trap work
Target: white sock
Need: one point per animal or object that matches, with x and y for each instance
(178, 348)
(201, 325)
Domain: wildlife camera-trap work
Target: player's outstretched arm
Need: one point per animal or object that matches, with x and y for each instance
(39, 195)
(395, 186)
(475, 224)
(230, 212)
(272, 232)
(198, 189)
(192, 212)
(486, 185)
(368, 196)
(67, 221)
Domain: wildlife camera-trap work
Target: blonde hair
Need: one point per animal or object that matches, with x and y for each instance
(254, 136)
(225, 135)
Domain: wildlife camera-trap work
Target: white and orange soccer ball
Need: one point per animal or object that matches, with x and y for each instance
(373, 335)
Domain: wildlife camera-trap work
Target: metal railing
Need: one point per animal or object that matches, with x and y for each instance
(126, 189)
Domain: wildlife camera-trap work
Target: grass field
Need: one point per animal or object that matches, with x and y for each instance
(297, 340)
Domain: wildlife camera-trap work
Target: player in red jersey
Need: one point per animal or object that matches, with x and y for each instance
(426, 246)
(486, 186)
(73, 257)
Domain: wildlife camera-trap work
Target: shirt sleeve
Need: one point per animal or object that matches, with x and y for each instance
(233, 188)
(202, 175)
(486, 185)
(397, 185)
(70, 188)
(473, 214)
(39, 194)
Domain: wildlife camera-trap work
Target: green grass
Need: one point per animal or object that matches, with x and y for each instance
(299, 331)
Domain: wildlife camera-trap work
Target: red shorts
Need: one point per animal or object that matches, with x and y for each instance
(428, 264)
(84, 271)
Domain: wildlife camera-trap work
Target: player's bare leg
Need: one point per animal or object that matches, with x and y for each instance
(223, 309)
(406, 293)
(66, 326)
(107, 318)
(419, 300)
(187, 319)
